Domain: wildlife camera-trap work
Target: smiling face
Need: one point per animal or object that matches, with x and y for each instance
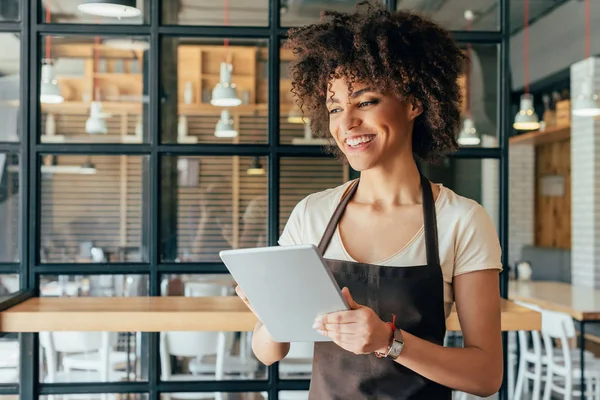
(369, 127)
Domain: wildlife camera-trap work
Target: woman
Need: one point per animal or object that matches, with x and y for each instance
(383, 85)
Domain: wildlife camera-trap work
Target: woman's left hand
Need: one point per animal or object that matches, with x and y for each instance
(358, 330)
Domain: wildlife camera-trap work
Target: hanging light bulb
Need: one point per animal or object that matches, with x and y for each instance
(586, 103)
(256, 167)
(526, 119)
(49, 90)
(224, 94)
(110, 8)
(468, 135)
(96, 123)
(224, 128)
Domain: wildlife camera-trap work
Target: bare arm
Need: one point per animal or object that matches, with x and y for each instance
(264, 347)
(476, 368)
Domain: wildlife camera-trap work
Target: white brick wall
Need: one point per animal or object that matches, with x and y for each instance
(521, 202)
(585, 187)
(490, 189)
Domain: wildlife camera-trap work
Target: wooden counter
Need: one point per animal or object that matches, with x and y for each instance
(155, 314)
(583, 304)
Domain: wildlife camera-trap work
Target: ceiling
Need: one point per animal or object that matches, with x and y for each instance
(449, 13)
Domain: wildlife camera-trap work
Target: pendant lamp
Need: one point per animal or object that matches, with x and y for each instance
(256, 167)
(110, 8)
(49, 90)
(224, 94)
(468, 135)
(96, 123)
(526, 119)
(224, 128)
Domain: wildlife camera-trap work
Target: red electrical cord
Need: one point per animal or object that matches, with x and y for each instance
(526, 45)
(226, 19)
(47, 36)
(468, 77)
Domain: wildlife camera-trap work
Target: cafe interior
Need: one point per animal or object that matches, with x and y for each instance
(141, 137)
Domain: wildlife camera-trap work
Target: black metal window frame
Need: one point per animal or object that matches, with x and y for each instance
(31, 31)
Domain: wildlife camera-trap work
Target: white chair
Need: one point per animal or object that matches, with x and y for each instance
(85, 358)
(9, 361)
(562, 376)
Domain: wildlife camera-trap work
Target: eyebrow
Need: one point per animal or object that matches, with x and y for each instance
(352, 96)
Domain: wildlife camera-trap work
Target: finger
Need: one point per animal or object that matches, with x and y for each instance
(351, 303)
(340, 317)
(342, 339)
(346, 329)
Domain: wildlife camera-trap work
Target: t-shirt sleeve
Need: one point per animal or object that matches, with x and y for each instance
(477, 244)
(292, 232)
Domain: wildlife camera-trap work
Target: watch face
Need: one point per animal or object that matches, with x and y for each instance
(395, 349)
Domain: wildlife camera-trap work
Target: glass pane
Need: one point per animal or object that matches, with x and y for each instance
(216, 12)
(9, 355)
(211, 204)
(300, 177)
(70, 356)
(295, 13)
(205, 109)
(9, 11)
(92, 209)
(10, 243)
(450, 15)
(9, 397)
(204, 395)
(99, 396)
(9, 283)
(93, 89)
(195, 355)
(477, 179)
(479, 87)
(131, 12)
(10, 88)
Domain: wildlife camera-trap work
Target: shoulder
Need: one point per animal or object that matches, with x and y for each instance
(474, 238)
(311, 214)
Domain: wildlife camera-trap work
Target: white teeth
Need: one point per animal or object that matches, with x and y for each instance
(355, 141)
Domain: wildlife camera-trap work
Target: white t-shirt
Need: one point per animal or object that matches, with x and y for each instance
(467, 237)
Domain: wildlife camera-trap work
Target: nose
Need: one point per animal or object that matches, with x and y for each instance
(349, 120)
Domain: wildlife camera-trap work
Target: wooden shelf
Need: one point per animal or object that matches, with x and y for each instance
(554, 134)
(156, 314)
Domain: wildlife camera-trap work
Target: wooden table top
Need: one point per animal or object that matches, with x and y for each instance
(156, 314)
(583, 304)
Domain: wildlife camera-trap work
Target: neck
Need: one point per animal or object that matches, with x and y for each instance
(395, 184)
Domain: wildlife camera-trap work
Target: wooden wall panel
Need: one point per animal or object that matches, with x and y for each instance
(553, 213)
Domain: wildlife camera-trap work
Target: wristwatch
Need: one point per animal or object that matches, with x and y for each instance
(396, 345)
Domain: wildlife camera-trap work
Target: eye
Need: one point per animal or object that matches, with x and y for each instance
(334, 110)
(367, 103)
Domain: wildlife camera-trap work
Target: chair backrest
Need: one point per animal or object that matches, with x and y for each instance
(558, 326)
(77, 342)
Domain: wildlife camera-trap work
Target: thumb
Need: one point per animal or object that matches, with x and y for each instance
(351, 303)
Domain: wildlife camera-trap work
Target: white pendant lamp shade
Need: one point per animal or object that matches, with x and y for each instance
(49, 90)
(96, 123)
(586, 103)
(526, 119)
(225, 127)
(110, 8)
(224, 94)
(468, 135)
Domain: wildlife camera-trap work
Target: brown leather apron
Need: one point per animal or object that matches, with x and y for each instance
(414, 294)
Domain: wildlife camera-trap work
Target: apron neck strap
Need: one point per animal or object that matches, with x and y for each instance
(429, 218)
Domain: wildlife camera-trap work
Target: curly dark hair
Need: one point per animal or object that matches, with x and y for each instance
(396, 52)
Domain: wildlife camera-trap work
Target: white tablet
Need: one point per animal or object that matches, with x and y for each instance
(288, 287)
